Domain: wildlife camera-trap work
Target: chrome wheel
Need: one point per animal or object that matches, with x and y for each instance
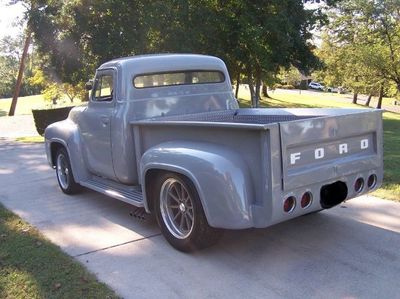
(177, 210)
(63, 171)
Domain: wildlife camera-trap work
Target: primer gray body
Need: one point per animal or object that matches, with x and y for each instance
(243, 162)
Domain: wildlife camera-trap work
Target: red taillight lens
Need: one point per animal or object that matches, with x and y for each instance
(306, 200)
(289, 204)
(372, 179)
(359, 185)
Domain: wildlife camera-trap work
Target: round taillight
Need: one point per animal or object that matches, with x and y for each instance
(289, 204)
(306, 200)
(372, 179)
(359, 185)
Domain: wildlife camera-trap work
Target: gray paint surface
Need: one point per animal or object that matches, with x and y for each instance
(243, 162)
(347, 252)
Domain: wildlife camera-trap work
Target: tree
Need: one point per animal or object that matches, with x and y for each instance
(290, 76)
(10, 55)
(360, 52)
(8, 69)
(52, 90)
(20, 74)
(267, 35)
(254, 38)
(77, 36)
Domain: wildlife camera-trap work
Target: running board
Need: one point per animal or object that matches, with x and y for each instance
(128, 194)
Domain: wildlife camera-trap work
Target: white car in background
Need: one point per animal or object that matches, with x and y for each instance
(316, 86)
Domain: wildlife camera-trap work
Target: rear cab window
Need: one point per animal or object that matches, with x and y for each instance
(178, 78)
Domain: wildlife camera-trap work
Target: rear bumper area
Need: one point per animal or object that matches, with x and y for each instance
(325, 161)
(323, 195)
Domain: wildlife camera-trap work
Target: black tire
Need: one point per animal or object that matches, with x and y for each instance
(201, 235)
(64, 173)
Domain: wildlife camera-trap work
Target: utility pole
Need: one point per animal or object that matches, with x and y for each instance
(20, 74)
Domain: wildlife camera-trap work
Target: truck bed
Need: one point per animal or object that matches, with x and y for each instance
(287, 151)
(244, 115)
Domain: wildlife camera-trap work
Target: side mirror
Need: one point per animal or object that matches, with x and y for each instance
(89, 85)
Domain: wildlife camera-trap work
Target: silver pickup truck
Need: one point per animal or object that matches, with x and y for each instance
(165, 133)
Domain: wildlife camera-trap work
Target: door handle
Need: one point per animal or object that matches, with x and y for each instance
(105, 120)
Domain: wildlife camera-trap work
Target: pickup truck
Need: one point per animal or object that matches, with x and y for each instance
(164, 133)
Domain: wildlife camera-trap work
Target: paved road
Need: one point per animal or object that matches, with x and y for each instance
(352, 251)
(17, 126)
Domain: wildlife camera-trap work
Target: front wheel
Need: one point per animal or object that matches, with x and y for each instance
(65, 177)
(180, 214)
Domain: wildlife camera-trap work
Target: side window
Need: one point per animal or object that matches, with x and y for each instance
(103, 88)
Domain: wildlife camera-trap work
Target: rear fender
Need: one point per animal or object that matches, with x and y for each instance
(221, 177)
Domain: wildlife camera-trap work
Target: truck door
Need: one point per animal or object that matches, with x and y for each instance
(96, 124)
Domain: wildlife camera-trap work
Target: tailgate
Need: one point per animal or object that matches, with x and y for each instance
(330, 147)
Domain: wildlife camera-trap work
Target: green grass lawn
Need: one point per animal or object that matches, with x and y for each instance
(301, 99)
(26, 104)
(32, 267)
(391, 157)
(30, 139)
(391, 125)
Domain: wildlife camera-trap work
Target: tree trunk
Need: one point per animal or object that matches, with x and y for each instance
(70, 97)
(379, 104)
(355, 96)
(237, 85)
(252, 94)
(20, 74)
(258, 89)
(368, 100)
(265, 91)
(254, 90)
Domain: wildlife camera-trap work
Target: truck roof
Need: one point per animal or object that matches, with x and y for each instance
(154, 63)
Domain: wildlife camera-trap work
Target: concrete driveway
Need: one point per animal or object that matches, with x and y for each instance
(352, 251)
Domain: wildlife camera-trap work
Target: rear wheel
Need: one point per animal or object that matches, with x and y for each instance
(65, 177)
(180, 214)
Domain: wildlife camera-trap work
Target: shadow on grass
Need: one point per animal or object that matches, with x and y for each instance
(32, 267)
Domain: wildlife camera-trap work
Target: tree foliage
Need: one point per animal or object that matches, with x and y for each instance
(10, 55)
(254, 38)
(290, 76)
(54, 91)
(361, 48)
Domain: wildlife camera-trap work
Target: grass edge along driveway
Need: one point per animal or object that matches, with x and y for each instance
(33, 267)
